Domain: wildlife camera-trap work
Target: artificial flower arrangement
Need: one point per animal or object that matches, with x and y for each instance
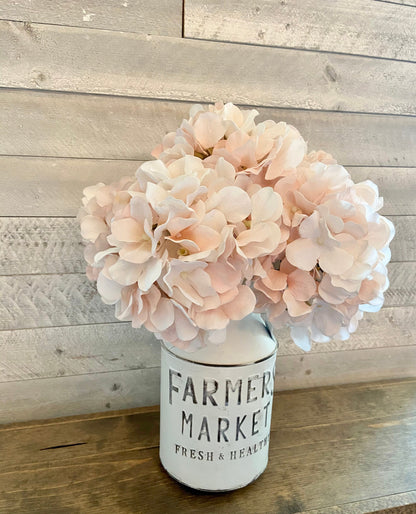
(235, 217)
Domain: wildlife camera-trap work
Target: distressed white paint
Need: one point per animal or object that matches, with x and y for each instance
(215, 409)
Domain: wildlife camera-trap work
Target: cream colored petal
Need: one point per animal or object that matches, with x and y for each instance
(92, 227)
(233, 202)
(303, 254)
(127, 229)
(295, 307)
(208, 129)
(242, 305)
(335, 260)
(301, 284)
(109, 290)
(266, 206)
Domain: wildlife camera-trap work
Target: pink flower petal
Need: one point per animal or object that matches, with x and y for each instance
(136, 252)
(109, 290)
(185, 329)
(275, 280)
(127, 230)
(303, 254)
(335, 260)
(330, 293)
(125, 273)
(233, 202)
(266, 206)
(208, 129)
(301, 284)
(212, 320)
(92, 227)
(295, 307)
(163, 316)
(242, 305)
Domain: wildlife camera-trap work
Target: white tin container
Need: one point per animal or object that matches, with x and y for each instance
(216, 407)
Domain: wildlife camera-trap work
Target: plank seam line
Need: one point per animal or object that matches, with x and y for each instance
(58, 217)
(138, 161)
(81, 273)
(197, 100)
(80, 325)
(103, 324)
(388, 496)
(117, 31)
(41, 217)
(157, 367)
(183, 36)
(300, 49)
(183, 19)
(123, 370)
(116, 323)
(32, 156)
(395, 3)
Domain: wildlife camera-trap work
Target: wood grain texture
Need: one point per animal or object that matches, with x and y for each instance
(75, 350)
(406, 502)
(63, 395)
(345, 367)
(36, 301)
(34, 186)
(94, 126)
(40, 245)
(96, 61)
(401, 291)
(329, 447)
(66, 396)
(143, 16)
(54, 245)
(50, 300)
(381, 29)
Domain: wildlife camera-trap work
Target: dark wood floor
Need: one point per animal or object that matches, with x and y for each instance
(345, 449)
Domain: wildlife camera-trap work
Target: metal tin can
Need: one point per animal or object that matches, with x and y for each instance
(215, 412)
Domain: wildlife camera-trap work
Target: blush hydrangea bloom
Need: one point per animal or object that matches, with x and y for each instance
(233, 217)
(173, 249)
(338, 241)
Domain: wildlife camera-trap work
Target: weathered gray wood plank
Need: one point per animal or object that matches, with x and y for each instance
(95, 126)
(65, 396)
(96, 61)
(402, 279)
(34, 186)
(344, 367)
(29, 301)
(75, 350)
(40, 245)
(54, 245)
(143, 16)
(380, 29)
(36, 301)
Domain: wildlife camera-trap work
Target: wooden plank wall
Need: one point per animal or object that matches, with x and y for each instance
(85, 93)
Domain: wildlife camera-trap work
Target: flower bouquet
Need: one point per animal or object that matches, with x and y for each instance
(235, 218)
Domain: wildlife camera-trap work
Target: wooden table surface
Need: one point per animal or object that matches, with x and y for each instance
(343, 449)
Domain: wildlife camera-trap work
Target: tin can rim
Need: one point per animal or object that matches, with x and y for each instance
(214, 365)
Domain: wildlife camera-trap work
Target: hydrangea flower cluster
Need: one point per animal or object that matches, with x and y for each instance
(234, 217)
